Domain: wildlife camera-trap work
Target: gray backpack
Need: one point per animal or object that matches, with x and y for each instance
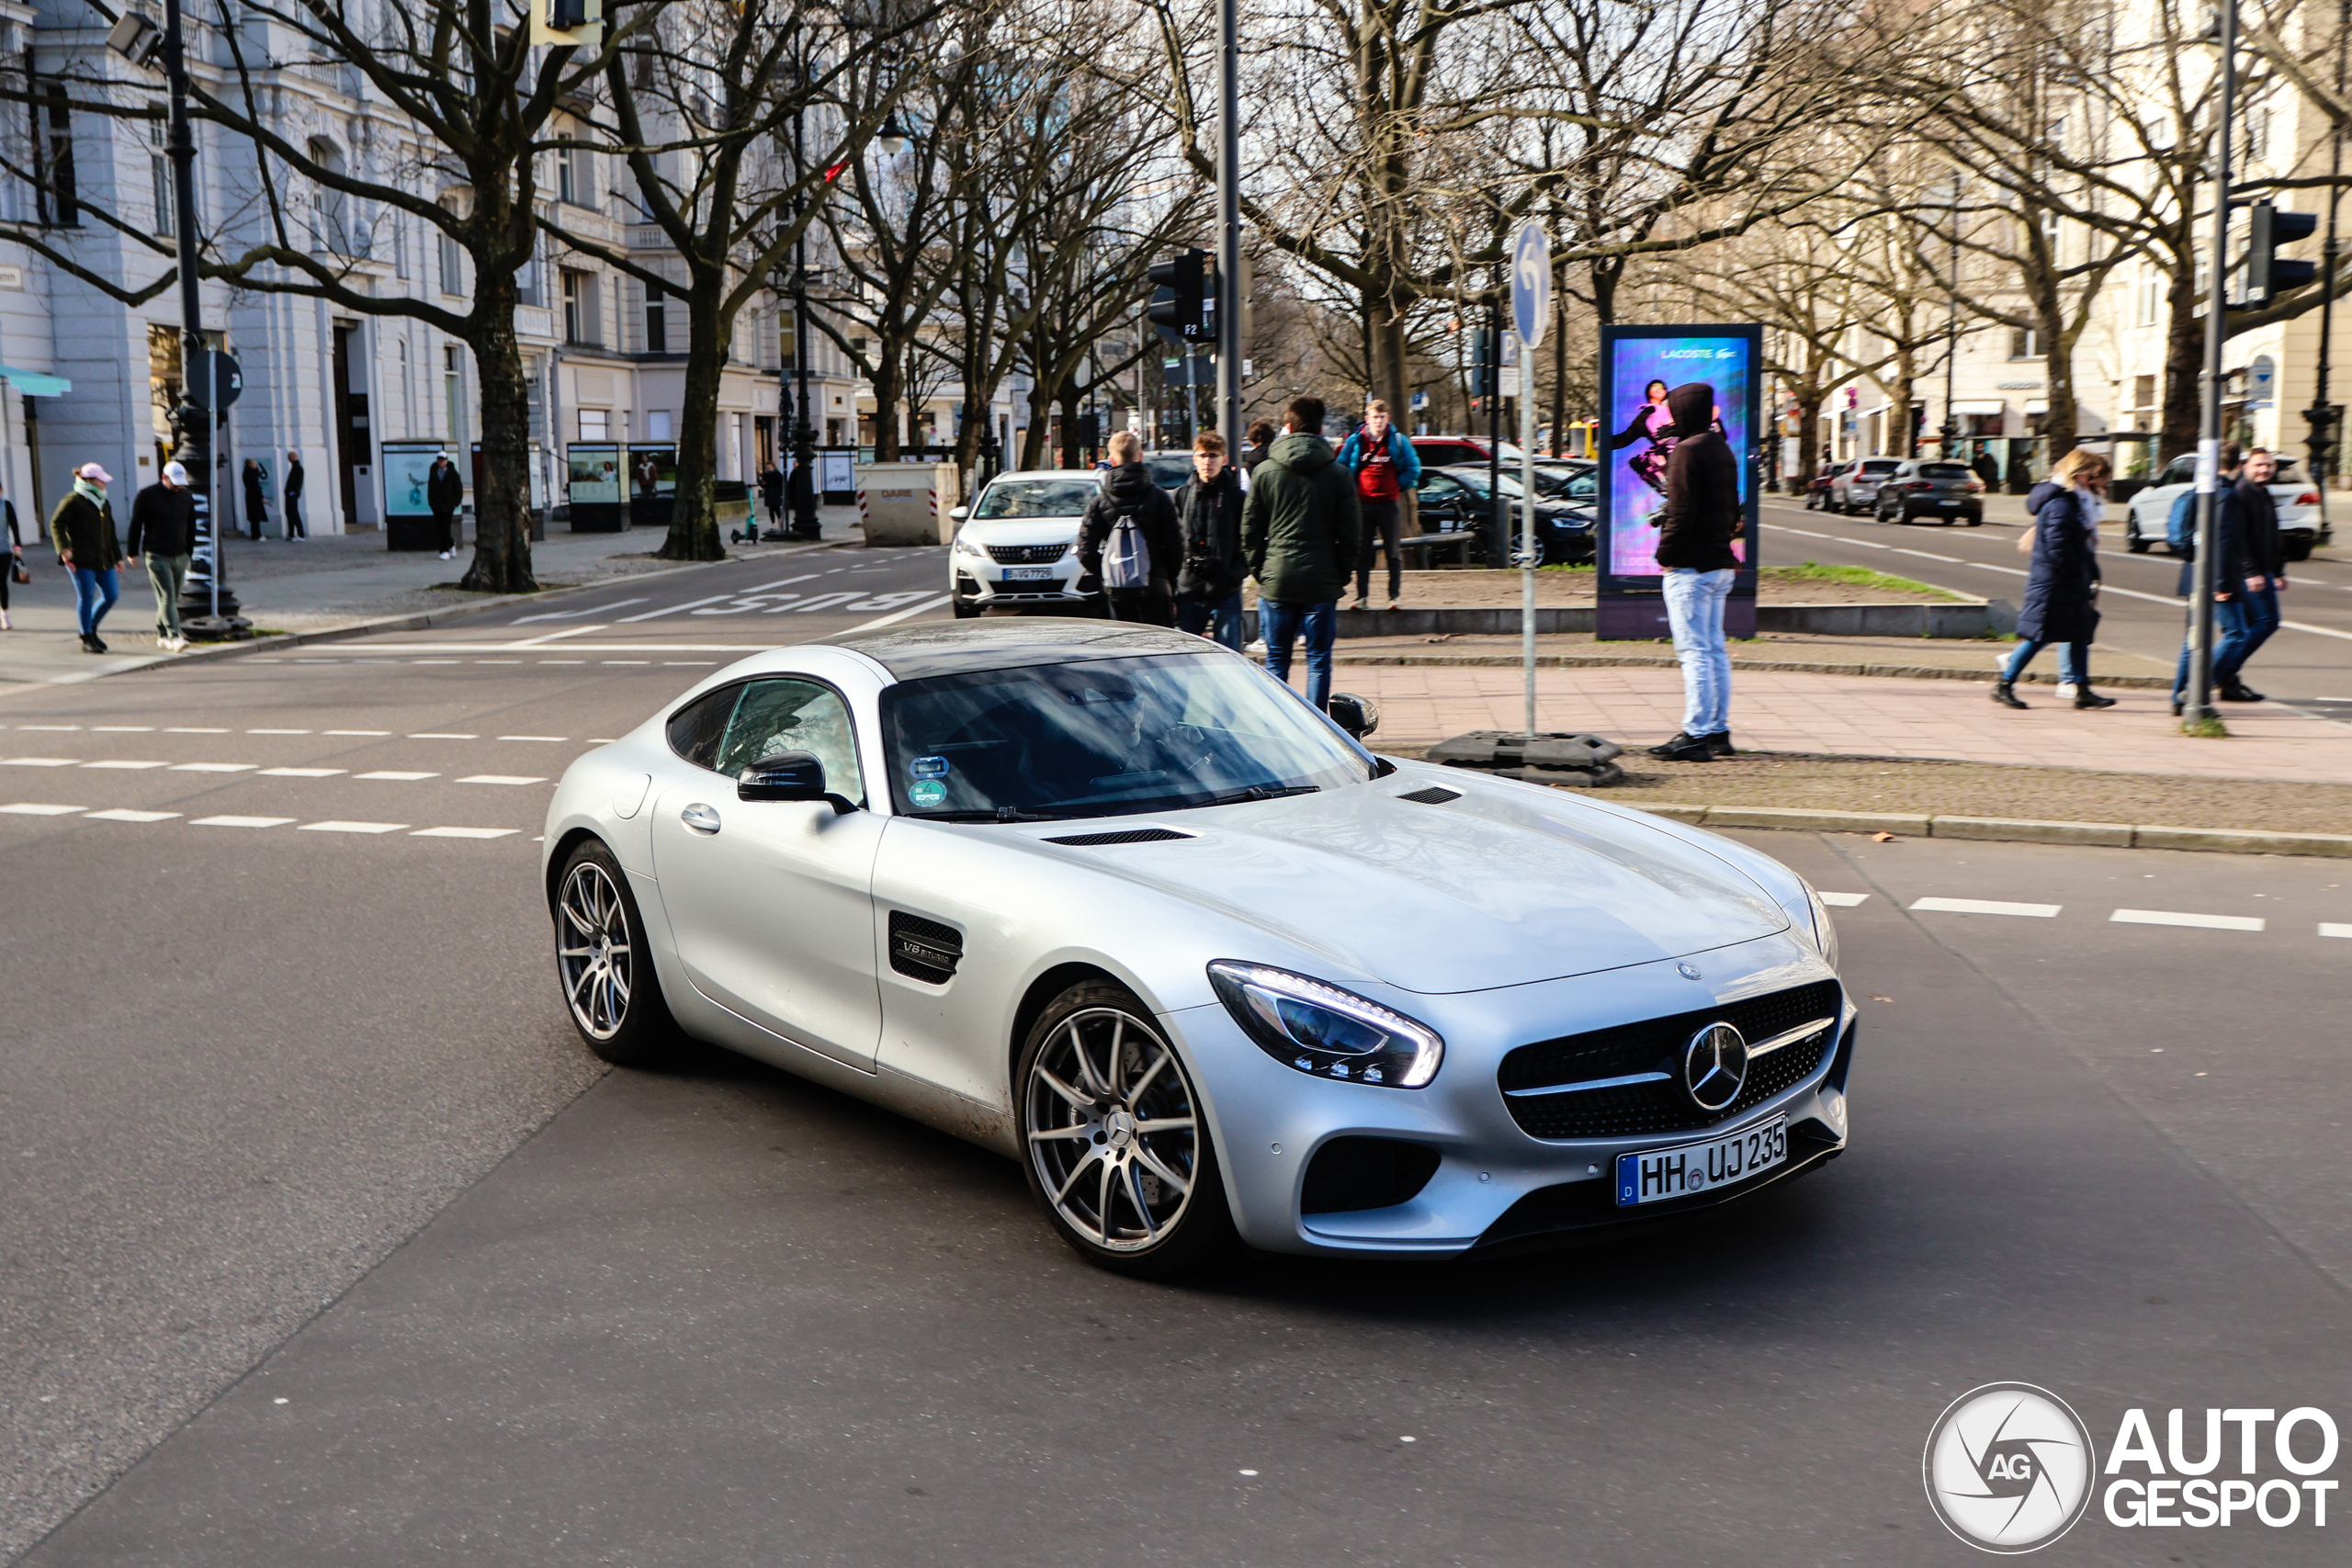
(1127, 555)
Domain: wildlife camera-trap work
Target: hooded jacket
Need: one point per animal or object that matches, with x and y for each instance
(1210, 518)
(85, 529)
(1358, 449)
(2060, 585)
(444, 491)
(162, 521)
(1303, 528)
(1130, 488)
(1702, 511)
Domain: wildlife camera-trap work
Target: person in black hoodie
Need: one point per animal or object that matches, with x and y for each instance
(1208, 513)
(1131, 519)
(1701, 516)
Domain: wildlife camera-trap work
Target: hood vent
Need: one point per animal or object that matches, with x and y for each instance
(1123, 836)
(1431, 794)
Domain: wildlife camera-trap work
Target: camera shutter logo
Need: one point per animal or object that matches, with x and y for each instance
(2009, 1467)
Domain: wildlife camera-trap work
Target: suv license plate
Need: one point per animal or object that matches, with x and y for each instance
(1028, 573)
(1655, 1175)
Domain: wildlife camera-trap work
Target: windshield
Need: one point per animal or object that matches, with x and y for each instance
(1946, 471)
(1474, 481)
(1169, 469)
(1104, 737)
(1036, 498)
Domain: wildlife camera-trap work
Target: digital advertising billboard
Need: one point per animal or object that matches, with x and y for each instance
(1639, 366)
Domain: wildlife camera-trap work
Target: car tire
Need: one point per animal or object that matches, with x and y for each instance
(2296, 549)
(616, 1006)
(964, 608)
(1094, 1074)
(2135, 541)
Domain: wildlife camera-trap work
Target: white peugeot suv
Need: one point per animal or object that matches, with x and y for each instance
(1017, 545)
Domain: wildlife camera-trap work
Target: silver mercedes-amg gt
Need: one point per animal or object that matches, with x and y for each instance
(1113, 902)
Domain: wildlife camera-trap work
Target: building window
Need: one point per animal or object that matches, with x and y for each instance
(453, 267)
(596, 424)
(453, 397)
(54, 161)
(159, 170)
(656, 424)
(580, 309)
(2150, 300)
(330, 206)
(785, 325)
(657, 319)
(2024, 344)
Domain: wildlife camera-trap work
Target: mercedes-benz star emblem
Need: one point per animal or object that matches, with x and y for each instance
(1688, 971)
(1714, 1065)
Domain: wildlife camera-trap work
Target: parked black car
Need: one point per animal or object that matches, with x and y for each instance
(1457, 498)
(1929, 488)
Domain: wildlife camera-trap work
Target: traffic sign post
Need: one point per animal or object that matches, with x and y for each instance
(1531, 309)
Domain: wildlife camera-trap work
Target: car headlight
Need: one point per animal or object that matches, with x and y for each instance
(1825, 932)
(964, 546)
(1325, 1031)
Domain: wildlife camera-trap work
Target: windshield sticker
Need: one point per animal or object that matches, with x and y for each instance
(929, 767)
(927, 794)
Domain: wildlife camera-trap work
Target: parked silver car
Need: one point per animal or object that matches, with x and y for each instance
(1854, 487)
(1113, 902)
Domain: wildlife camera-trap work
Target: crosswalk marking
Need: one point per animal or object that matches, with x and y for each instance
(1986, 907)
(2176, 918)
(1842, 900)
(240, 821)
(340, 827)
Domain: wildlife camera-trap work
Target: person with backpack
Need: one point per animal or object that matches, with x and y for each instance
(2062, 585)
(1385, 467)
(1129, 541)
(1208, 511)
(1301, 533)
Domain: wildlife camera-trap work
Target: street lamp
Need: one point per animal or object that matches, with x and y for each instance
(1952, 333)
(2197, 708)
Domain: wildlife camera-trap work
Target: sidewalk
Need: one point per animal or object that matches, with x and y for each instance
(315, 585)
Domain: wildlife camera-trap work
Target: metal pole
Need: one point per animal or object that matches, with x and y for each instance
(2197, 707)
(1229, 225)
(1490, 383)
(1528, 555)
(194, 425)
(804, 431)
(1952, 333)
(2321, 416)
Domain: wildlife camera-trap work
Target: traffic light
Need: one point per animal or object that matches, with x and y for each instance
(2268, 274)
(1180, 294)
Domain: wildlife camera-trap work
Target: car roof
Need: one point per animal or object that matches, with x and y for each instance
(951, 647)
(1049, 474)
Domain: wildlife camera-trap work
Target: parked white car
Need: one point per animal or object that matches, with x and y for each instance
(2148, 513)
(1017, 546)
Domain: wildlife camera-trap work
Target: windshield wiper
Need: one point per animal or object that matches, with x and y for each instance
(1258, 792)
(992, 813)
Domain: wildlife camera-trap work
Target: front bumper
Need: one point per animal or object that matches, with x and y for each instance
(1495, 1185)
(985, 585)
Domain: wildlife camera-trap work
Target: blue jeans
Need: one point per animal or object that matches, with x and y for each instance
(94, 595)
(1694, 609)
(2073, 660)
(1280, 625)
(1219, 619)
(2246, 620)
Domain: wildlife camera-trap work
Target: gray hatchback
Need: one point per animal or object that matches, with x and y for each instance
(1922, 489)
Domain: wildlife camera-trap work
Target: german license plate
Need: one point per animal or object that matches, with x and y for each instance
(1655, 1175)
(1028, 573)
(1947, 505)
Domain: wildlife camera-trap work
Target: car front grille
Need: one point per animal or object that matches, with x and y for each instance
(1026, 554)
(1654, 1045)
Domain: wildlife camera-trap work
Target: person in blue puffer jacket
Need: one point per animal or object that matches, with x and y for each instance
(1382, 458)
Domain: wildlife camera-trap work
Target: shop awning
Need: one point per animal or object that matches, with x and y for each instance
(35, 383)
(1982, 405)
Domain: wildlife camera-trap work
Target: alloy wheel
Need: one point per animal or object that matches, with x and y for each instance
(593, 952)
(1112, 1129)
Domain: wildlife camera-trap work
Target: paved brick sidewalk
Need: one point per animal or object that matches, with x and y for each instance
(1859, 716)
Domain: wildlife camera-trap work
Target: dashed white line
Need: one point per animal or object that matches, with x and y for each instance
(351, 826)
(553, 738)
(240, 821)
(2334, 927)
(38, 762)
(35, 808)
(190, 731)
(442, 734)
(396, 776)
(277, 732)
(1985, 906)
(214, 767)
(1923, 555)
(299, 772)
(377, 732)
(119, 814)
(2176, 918)
(56, 728)
(1843, 900)
(499, 779)
(125, 764)
(464, 833)
(123, 729)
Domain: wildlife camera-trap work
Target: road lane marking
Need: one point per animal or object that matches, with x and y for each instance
(715, 599)
(442, 734)
(499, 779)
(35, 808)
(396, 776)
(214, 767)
(547, 638)
(121, 815)
(575, 614)
(1843, 900)
(465, 832)
(277, 732)
(1923, 555)
(124, 763)
(241, 821)
(554, 738)
(39, 762)
(1986, 907)
(299, 772)
(2175, 918)
(334, 826)
(2326, 927)
(56, 727)
(897, 615)
(121, 729)
(358, 732)
(190, 731)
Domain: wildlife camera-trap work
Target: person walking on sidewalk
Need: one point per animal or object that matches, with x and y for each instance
(1700, 517)
(84, 532)
(2253, 573)
(1385, 467)
(1301, 533)
(1208, 511)
(2180, 534)
(163, 532)
(12, 560)
(1261, 436)
(295, 528)
(444, 492)
(1129, 541)
(2061, 584)
(772, 495)
(256, 498)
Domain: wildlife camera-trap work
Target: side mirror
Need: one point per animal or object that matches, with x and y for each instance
(959, 512)
(787, 775)
(1358, 715)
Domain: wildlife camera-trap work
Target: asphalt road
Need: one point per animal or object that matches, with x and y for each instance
(328, 1243)
(2311, 659)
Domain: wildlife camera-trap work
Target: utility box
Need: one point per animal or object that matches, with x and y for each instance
(907, 503)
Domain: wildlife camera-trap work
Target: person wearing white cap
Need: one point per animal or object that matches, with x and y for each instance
(162, 529)
(83, 530)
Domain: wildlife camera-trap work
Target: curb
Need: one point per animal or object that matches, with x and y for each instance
(1763, 666)
(410, 623)
(2020, 830)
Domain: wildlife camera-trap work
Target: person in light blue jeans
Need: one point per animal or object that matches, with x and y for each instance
(1694, 612)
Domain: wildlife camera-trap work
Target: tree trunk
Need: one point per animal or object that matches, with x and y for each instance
(502, 562)
(1905, 389)
(1033, 440)
(694, 510)
(1070, 458)
(2058, 374)
(1808, 433)
(1559, 377)
(886, 382)
(2184, 361)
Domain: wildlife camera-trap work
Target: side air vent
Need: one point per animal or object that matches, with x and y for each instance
(1125, 836)
(1431, 794)
(925, 950)
(1349, 1174)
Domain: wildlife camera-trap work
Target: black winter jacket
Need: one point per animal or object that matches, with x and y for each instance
(1130, 486)
(2250, 543)
(1702, 512)
(444, 491)
(2062, 584)
(162, 521)
(1210, 518)
(85, 529)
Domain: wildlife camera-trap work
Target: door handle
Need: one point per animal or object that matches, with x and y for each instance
(700, 818)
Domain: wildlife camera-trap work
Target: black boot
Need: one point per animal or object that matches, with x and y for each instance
(1685, 748)
(1719, 743)
(2087, 698)
(2005, 697)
